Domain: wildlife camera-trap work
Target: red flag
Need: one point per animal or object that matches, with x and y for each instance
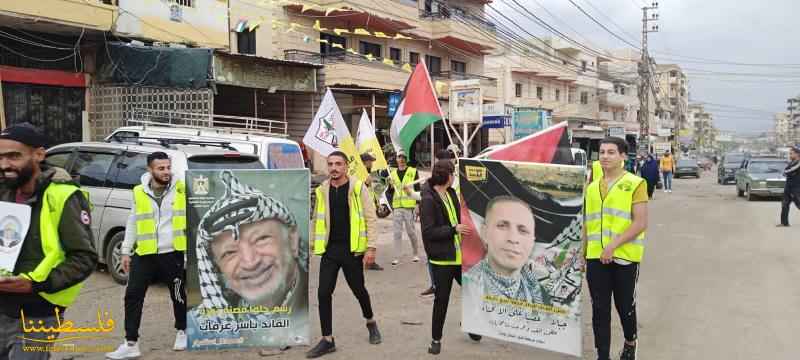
(550, 145)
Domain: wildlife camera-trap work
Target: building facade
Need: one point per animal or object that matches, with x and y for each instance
(674, 95)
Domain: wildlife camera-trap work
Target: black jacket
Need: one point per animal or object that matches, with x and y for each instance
(76, 239)
(437, 232)
(792, 173)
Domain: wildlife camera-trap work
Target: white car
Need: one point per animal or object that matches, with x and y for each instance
(109, 171)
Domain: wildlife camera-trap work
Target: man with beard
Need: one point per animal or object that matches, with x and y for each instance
(57, 252)
(253, 241)
(344, 235)
(157, 228)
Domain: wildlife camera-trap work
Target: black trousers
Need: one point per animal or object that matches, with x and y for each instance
(145, 270)
(353, 269)
(443, 276)
(605, 281)
(789, 197)
(651, 187)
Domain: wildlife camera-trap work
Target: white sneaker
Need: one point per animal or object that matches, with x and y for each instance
(415, 259)
(180, 341)
(395, 262)
(125, 351)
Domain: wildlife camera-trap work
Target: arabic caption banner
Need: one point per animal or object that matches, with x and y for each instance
(247, 258)
(521, 270)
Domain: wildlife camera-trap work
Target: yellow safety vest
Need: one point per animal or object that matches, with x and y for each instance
(401, 199)
(146, 223)
(610, 217)
(358, 223)
(55, 196)
(453, 217)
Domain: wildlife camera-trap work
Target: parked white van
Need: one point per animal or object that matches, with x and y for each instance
(273, 151)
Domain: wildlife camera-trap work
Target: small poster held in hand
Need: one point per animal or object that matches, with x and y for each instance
(14, 223)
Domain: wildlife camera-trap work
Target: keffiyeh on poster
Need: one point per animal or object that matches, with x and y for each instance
(247, 259)
(522, 268)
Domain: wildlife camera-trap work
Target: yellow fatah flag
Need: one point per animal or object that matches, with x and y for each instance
(317, 26)
(379, 34)
(340, 31)
(360, 31)
(407, 67)
(367, 142)
(388, 62)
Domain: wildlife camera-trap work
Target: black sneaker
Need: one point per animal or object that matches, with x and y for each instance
(628, 352)
(428, 292)
(374, 266)
(475, 337)
(435, 348)
(324, 347)
(374, 334)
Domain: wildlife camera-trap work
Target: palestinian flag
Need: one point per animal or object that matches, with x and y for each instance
(418, 109)
(549, 146)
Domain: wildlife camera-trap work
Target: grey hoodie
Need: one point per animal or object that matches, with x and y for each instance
(163, 218)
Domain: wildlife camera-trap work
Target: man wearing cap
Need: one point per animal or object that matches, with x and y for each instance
(791, 190)
(153, 250)
(57, 252)
(368, 160)
(403, 206)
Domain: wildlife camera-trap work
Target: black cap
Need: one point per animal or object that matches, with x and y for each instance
(25, 133)
(367, 157)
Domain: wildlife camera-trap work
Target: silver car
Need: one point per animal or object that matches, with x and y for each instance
(109, 171)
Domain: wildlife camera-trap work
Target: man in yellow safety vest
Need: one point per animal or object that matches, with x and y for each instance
(615, 221)
(57, 253)
(153, 250)
(344, 234)
(403, 207)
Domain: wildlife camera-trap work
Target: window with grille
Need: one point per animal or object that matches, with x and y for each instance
(413, 58)
(434, 64)
(558, 95)
(395, 54)
(539, 93)
(186, 3)
(584, 97)
(326, 48)
(518, 90)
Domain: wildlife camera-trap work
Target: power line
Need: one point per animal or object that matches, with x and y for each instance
(625, 32)
(603, 26)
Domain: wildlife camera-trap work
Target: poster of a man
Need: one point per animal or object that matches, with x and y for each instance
(249, 282)
(508, 237)
(522, 274)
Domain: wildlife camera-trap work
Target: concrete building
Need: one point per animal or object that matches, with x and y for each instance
(674, 92)
(783, 130)
(369, 47)
(47, 61)
(794, 119)
(703, 131)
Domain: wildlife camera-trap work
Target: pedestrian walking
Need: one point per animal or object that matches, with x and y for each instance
(344, 231)
(614, 233)
(791, 190)
(441, 235)
(57, 254)
(154, 250)
(667, 170)
(403, 207)
(368, 160)
(649, 172)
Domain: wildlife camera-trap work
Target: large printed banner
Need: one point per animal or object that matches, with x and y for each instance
(522, 270)
(247, 258)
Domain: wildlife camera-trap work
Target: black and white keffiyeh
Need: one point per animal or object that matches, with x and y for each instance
(242, 204)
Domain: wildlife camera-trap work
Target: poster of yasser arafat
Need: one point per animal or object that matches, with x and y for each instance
(247, 258)
(522, 268)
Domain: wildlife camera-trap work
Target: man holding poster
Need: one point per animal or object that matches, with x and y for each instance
(250, 259)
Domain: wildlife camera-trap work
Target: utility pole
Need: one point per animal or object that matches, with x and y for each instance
(645, 77)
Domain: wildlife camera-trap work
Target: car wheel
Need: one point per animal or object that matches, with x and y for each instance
(750, 196)
(719, 181)
(739, 192)
(114, 258)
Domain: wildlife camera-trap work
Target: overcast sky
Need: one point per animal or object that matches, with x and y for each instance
(741, 31)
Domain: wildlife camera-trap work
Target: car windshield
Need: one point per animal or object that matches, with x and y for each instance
(235, 161)
(763, 167)
(687, 163)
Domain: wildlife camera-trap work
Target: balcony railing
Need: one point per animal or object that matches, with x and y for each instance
(454, 75)
(443, 11)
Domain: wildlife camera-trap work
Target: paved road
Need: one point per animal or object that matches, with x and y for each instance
(719, 282)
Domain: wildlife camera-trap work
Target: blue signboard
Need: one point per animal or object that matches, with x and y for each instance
(394, 102)
(495, 121)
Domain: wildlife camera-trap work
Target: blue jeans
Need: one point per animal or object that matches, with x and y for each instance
(667, 180)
